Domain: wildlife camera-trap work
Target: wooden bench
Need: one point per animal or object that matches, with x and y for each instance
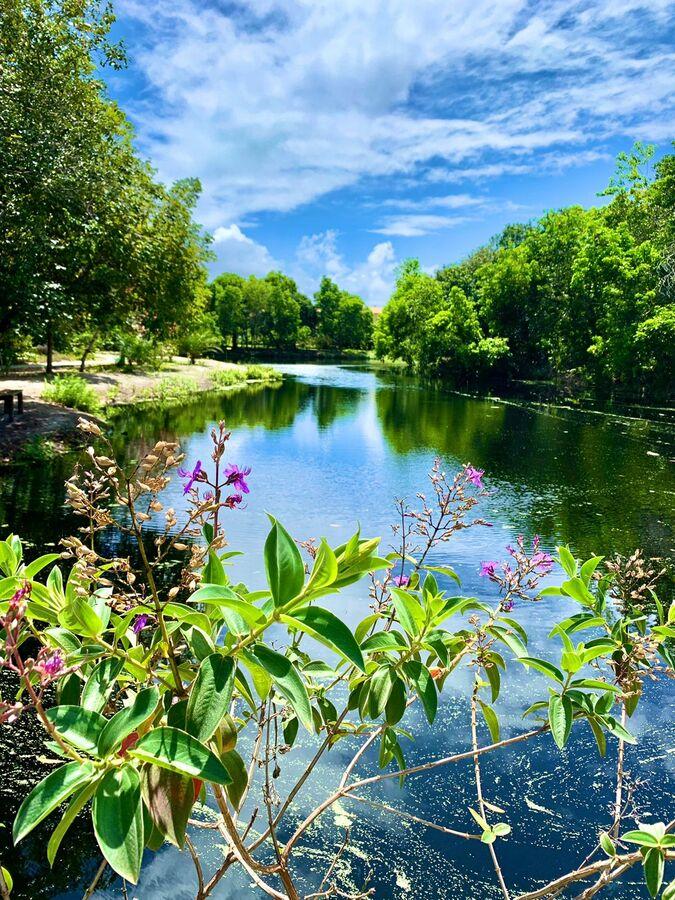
(7, 398)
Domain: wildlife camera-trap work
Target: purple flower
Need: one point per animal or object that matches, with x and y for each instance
(475, 476)
(191, 476)
(208, 495)
(401, 581)
(139, 623)
(237, 477)
(542, 561)
(488, 569)
(51, 665)
(233, 501)
(17, 601)
(507, 605)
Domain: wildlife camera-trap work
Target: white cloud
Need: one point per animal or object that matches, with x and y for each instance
(318, 255)
(275, 103)
(236, 252)
(416, 225)
(319, 252)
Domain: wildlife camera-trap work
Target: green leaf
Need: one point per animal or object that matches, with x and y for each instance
(99, 684)
(567, 561)
(327, 628)
(80, 727)
(117, 814)
(653, 865)
(48, 794)
(512, 641)
(236, 766)
(595, 684)
(325, 569)
(643, 838)
(127, 720)
(283, 564)
(410, 613)
(424, 686)
(178, 751)
(39, 564)
(210, 696)
(479, 820)
(77, 803)
(494, 678)
(560, 718)
(225, 598)
(169, 797)
(445, 570)
(383, 640)
(491, 720)
(287, 681)
(618, 730)
(396, 704)
(599, 735)
(9, 882)
(381, 684)
(541, 665)
(214, 571)
(607, 844)
(669, 890)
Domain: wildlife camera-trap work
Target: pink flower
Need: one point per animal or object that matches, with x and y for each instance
(488, 569)
(237, 477)
(475, 476)
(50, 666)
(401, 581)
(233, 501)
(194, 475)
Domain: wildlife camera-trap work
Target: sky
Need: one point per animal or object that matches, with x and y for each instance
(340, 137)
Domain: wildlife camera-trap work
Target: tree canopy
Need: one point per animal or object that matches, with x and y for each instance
(583, 291)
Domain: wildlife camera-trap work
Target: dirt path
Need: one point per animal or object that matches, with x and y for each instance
(59, 423)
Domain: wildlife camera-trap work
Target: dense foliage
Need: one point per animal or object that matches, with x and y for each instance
(177, 704)
(587, 295)
(89, 240)
(271, 312)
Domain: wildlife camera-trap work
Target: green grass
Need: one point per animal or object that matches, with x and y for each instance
(221, 378)
(74, 392)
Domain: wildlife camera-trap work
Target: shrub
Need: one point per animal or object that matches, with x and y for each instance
(171, 692)
(256, 372)
(72, 391)
(136, 350)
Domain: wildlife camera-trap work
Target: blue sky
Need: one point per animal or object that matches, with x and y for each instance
(342, 136)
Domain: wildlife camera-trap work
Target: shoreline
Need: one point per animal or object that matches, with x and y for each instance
(51, 428)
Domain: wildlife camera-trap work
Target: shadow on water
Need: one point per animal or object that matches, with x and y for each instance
(333, 445)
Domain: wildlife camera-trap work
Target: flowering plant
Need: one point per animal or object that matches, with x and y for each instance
(160, 687)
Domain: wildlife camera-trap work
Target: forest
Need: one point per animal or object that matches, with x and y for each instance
(583, 296)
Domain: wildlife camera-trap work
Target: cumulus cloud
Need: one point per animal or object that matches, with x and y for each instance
(236, 252)
(372, 279)
(278, 102)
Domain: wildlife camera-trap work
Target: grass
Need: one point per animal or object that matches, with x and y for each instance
(74, 392)
(221, 378)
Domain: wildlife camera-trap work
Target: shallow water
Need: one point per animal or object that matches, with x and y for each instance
(331, 447)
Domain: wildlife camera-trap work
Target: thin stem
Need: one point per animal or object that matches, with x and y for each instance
(97, 877)
(618, 800)
(406, 815)
(479, 786)
(197, 865)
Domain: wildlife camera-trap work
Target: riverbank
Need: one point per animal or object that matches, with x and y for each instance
(53, 427)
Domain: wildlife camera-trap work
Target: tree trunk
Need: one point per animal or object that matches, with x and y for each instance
(87, 351)
(50, 348)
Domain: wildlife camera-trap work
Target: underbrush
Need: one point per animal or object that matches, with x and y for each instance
(74, 392)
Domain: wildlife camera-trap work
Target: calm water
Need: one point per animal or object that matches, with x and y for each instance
(331, 447)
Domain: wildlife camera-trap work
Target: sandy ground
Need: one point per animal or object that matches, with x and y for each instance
(58, 423)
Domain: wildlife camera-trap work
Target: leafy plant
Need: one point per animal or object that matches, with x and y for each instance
(156, 685)
(73, 391)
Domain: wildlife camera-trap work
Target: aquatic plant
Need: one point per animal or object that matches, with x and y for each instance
(178, 704)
